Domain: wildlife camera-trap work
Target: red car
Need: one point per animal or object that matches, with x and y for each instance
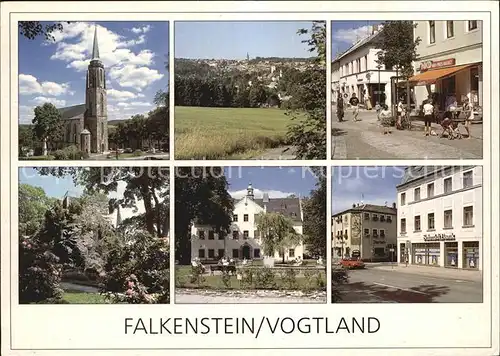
(352, 263)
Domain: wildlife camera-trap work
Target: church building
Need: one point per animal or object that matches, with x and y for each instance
(86, 125)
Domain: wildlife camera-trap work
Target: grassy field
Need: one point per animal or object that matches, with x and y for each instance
(182, 277)
(77, 297)
(227, 133)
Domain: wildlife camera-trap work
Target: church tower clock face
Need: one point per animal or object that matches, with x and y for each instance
(96, 117)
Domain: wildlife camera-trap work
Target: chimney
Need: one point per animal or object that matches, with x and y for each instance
(394, 205)
(354, 205)
(373, 29)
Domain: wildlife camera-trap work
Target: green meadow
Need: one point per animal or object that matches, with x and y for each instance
(228, 133)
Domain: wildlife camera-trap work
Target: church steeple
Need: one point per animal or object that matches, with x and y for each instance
(95, 49)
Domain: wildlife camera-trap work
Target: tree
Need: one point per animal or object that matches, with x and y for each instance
(48, 125)
(398, 49)
(314, 226)
(149, 185)
(26, 139)
(317, 41)
(201, 196)
(39, 272)
(33, 29)
(33, 203)
(277, 233)
(308, 131)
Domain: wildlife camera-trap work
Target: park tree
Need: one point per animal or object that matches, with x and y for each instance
(33, 203)
(308, 130)
(201, 196)
(398, 50)
(33, 29)
(148, 186)
(47, 124)
(314, 226)
(26, 139)
(277, 233)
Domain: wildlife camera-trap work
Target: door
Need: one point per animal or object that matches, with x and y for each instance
(245, 251)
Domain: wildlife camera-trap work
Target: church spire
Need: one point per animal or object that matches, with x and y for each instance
(95, 49)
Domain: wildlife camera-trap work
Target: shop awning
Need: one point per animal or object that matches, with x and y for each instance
(431, 76)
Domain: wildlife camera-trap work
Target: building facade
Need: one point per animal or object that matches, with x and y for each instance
(440, 216)
(450, 57)
(356, 71)
(244, 240)
(86, 125)
(365, 231)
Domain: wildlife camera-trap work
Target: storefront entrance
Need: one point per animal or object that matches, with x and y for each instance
(471, 255)
(425, 254)
(451, 254)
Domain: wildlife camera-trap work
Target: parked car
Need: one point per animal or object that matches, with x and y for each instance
(352, 263)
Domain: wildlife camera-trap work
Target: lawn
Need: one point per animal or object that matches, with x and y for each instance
(227, 133)
(77, 297)
(182, 278)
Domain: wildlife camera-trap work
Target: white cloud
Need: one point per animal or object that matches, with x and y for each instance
(25, 114)
(143, 29)
(351, 35)
(135, 77)
(129, 68)
(114, 94)
(29, 84)
(40, 100)
(259, 193)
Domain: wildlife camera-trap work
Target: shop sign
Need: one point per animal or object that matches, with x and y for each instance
(427, 65)
(439, 237)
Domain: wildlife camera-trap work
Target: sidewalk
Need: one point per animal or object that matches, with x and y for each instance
(438, 272)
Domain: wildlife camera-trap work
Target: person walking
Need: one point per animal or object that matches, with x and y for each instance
(368, 102)
(468, 110)
(340, 107)
(399, 114)
(354, 101)
(385, 119)
(428, 115)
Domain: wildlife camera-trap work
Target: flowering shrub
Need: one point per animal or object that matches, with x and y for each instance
(289, 278)
(196, 276)
(138, 272)
(39, 273)
(226, 278)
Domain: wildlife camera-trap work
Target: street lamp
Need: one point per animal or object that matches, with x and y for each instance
(379, 66)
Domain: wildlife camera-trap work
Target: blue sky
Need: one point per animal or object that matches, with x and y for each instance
(346, 33)
(370, 185)
(53, 187)
(232, 40)
(278, 182)
(134, 55)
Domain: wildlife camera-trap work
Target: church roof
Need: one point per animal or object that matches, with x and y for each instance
(287, 206)
(74, 112)
(95, 49)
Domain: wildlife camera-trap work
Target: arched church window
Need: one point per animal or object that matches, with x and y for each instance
(68, 132)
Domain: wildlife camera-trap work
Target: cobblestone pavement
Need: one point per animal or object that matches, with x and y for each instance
(364, 140)
(201, 296)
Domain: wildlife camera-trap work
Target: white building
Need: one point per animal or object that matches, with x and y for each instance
(450, 57)
(366, 231)
(440, 216)
(244, 241)
(356, 71)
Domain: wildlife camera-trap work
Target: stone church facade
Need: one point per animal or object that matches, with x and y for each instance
(86, 125)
